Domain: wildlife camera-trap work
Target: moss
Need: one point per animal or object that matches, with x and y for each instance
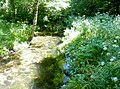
(52, 75)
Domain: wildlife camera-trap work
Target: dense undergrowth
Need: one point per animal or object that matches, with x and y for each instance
(11, 34)
(93, 57)
(51, 72)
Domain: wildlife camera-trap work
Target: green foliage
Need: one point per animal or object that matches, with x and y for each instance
(15, 10)
(90, 7)
(52, 75)
(94, 55)
(22, 11)
(56, 11)
(12, 32)
(51, 16)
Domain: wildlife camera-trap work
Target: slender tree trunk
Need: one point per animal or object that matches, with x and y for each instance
(35, 17)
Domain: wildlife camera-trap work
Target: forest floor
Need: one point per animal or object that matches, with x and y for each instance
(21, 72)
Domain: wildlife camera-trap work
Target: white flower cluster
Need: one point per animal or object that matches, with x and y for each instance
(113, 58)
(115, 41)
(4, 4)
(115, 79)
(92, 76)
(108, 54)
(104, 48)
(70, 34)
(117, 37)
(102, 63)
(46, 19)
(116, 46)
(79, 24)
(118, 52)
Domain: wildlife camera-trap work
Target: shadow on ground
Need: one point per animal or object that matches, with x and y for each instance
(51, 73)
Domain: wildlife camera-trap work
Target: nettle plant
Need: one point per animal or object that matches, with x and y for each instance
(93, 57)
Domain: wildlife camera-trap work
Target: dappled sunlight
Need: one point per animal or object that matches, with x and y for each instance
(58, 5)
(70, 34)
(20, 46)
(22, 75)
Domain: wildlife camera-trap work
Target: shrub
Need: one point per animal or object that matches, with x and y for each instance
(93, 56)
(51, 76)
(90, 7)
(50, 13)
(11, 33)
(51, 16)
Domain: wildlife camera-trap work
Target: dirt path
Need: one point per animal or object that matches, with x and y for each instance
(21, 76)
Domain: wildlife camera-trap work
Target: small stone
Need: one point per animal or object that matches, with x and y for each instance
(9, 77)
(7, 82)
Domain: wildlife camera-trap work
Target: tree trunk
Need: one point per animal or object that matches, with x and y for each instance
(35, 17)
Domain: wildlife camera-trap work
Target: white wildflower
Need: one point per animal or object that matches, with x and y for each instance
(45, 25)
(117, 37)
(115, 40)
(70, 34)
(110, 62)
(113, 58)
(114, 45)
(103, 43)
(118, 52)
(102, 63)
(104, 48)
(58, 8)
(91, 76)
(66, 66)
(102, 53)
(108, 54)
(115, 79)
(45, 18)
(89, 30)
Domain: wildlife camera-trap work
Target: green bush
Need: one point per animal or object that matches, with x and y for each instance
(50, 14)
(51, 76)
(11, 33)
(93, 57)
(15, 10)
(90, 7)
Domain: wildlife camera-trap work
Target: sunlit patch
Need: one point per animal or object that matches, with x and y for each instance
(58, 5)
(18, 46)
